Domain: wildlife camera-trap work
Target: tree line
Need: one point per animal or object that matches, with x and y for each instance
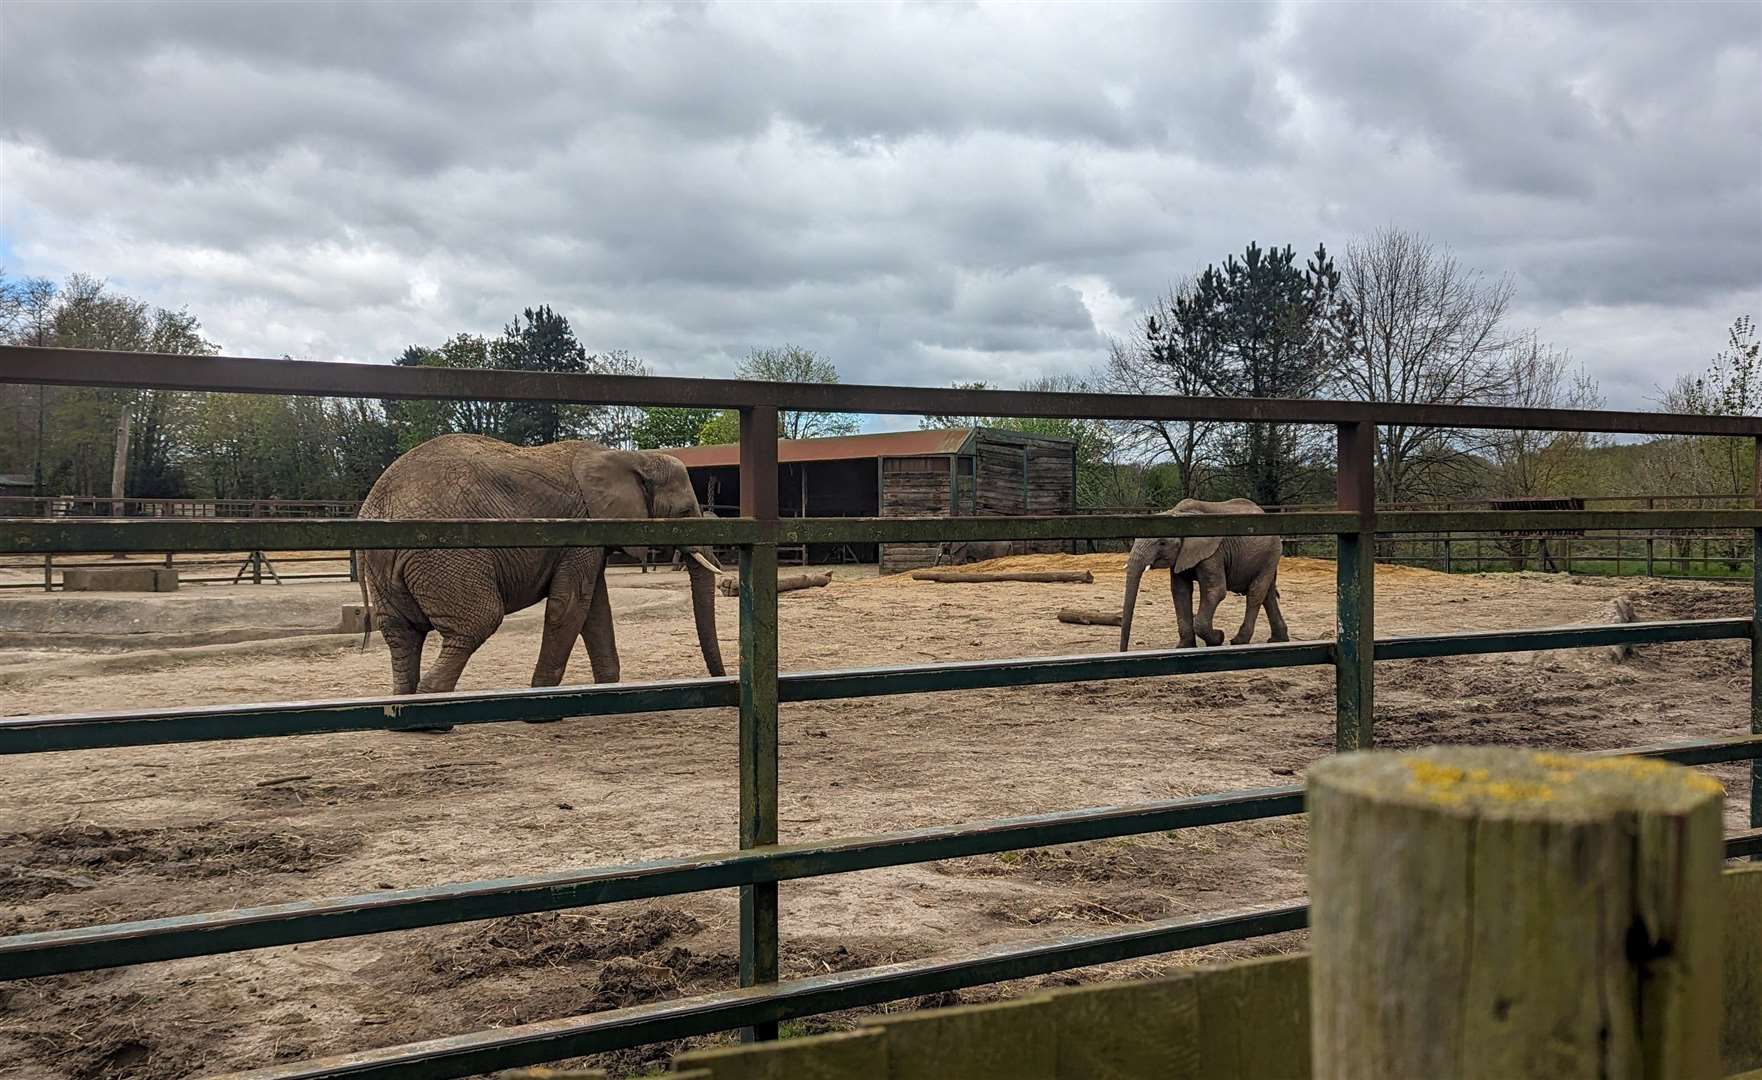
(1395, 318)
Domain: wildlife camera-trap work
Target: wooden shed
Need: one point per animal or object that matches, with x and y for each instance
(953, 472)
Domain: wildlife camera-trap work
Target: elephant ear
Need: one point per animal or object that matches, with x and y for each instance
(1195, 550)
(613, 483)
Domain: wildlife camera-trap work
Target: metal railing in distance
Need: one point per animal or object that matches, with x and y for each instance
(762, 862)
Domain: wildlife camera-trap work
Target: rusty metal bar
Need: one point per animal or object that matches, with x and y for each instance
(95, 536)
(87, 731)
(551, 1040)
(81, 367)
(1355, 600)
(120, 944)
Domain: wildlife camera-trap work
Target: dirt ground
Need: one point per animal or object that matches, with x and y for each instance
(110, 835)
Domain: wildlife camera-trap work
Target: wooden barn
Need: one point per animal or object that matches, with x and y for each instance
(954, 472)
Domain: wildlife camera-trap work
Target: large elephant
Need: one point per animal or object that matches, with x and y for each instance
(464, 593)
(1240, 564)
(959, 553)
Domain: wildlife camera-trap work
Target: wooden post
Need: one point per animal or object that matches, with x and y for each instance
(48, 573)
(758, 700)
(1355, 573)
(1484, 913)
(1447, 560)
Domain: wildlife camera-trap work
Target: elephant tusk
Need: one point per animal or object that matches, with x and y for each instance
(705, 562)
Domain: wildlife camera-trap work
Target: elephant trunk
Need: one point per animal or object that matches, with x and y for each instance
(703, 609)
(1135, 567)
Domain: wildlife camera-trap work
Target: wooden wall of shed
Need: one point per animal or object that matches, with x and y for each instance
(912, 487)
(1022, 478)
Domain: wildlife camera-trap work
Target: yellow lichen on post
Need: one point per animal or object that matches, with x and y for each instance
(1501, 914)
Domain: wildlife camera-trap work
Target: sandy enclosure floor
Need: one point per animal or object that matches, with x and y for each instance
(109, 835)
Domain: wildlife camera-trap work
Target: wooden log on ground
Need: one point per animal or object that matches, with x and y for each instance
(731, 586)
(1501, 914)
(1074, 577)
(1085, 617)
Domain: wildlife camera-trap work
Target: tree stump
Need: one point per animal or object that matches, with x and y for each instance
(1085, 617)
(731, 586)
(1495, 914)
(1071, 577)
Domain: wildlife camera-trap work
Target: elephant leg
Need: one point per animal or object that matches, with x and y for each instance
(1256, 597)
(598, 637)
(1211, 594)
(1181, 589)
(566, 611)
(404, 642)
(1274, 617)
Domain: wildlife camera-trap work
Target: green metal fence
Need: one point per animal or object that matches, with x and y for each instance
(762, 862)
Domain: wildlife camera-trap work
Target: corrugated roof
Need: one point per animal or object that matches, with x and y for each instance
(836, 448)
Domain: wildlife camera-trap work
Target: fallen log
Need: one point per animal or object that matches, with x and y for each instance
(731, 586)
(1084, 617)
(1077, 577)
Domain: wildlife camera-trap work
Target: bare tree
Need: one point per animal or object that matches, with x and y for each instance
(1166, 355)
(1535, 375)
(1429, 331)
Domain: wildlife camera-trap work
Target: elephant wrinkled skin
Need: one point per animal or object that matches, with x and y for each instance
(464, 593)
(1240, 564)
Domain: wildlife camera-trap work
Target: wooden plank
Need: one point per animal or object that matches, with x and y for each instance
(843, 1055)
(1740, 1042)
(1254, 1019)
(1130, 1031)
(1005, 1040)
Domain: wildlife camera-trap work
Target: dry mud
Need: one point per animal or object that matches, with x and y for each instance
(118, 834)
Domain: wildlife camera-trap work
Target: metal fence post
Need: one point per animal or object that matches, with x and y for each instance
(1651, 541)
(1756, 644)
(1355, 570)
(758, 700)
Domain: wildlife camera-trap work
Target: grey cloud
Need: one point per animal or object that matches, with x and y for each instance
(912, 190)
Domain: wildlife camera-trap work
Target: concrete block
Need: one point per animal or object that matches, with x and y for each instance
(164, 579)
(111, 579)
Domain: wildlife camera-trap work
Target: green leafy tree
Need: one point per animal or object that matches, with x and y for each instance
(723, 426)
(788, 363)
(670, 426)
(791, 363)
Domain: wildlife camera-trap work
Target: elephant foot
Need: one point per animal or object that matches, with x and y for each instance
(1213, 638)
(1186, 643)
(1240, 640)
(1279, 635)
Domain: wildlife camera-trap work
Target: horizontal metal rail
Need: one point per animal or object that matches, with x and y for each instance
(58, 535)
(116, 945)
(89, 948)
(549, 1040)
(152, 727)
(88, 367)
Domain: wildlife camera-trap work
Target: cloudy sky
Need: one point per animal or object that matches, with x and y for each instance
(922, 193)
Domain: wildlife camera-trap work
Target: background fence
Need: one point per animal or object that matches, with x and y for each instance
(762, 861)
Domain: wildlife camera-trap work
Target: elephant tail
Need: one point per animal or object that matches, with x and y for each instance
(366, 605)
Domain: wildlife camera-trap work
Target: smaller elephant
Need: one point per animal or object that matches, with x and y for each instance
(1248, 565)
(959, 553)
